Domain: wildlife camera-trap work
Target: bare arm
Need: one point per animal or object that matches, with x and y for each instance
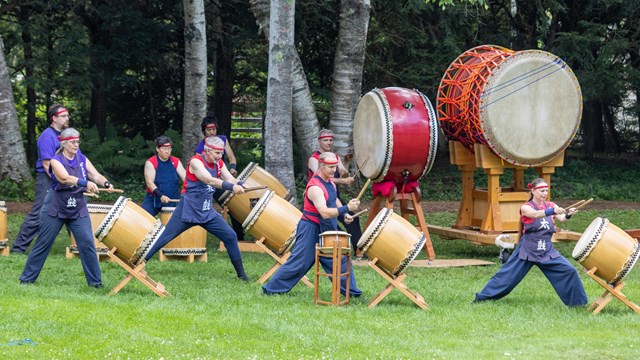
(46, 165)
(64, 177)
(313, 164)
(530, 212)
(149, 175)
(231, 156)
(198, 169)
(182, 173)
(317, 197)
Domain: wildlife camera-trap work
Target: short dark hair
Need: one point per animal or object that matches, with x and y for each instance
(53, 109)
(161, 140)
(209, 119)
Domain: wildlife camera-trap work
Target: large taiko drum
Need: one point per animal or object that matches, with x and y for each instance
(328, 239)
(3, 223)
(130, 229)
(253, 176)
(191, 241)
(393, 240)
(395, 135)
(608, 248)
(276, 219)
(525, 106)
(97, 213)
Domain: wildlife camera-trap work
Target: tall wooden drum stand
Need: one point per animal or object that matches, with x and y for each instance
(409, 205)
(485, 213)
(613, 290)
(280, 260)
(337, 253)
(138, 273)
(397, 283)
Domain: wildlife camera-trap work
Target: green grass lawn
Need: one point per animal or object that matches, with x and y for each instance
(213, 315)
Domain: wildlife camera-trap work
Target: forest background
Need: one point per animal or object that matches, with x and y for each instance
(120, 67)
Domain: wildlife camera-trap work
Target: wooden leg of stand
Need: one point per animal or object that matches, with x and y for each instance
(428, 246)
(608, 294)
(395, 283)
(280, 260)
(138, 273)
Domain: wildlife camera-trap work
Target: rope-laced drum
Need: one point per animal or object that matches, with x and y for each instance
(525, 106)
(97, 213)
(609, 248)
(253, 176)
(393, 240)
(3, 223)
(191, 241)
(275, 219)
(130, 229)
(327, 240)
(395, 135)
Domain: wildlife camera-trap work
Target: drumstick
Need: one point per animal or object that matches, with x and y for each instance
(574, 205)
(363, 189)
(174, 200)
(91, 194)
(363, 164)
(584, 204)
(109, 190)
(359, 213)
(256, 188)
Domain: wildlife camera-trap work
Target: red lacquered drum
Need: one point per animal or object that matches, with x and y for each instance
(191, 241)
(253, 175)
(3, 222)
(97, 213)
(525, 106)
(395, 132)
(608, 248)
(130, 229)
(393, 240)
(328, 238)
(275, 219)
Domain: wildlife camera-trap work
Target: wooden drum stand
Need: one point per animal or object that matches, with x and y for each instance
(280, 260)
(610, 291)
(337, 253)
(138, 273)
(398, 283)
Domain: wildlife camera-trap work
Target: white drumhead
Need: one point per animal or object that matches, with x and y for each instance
(589, 238)
(373, 230)
(111, 217)
(254, 214)
(373, 135)
(530, 108)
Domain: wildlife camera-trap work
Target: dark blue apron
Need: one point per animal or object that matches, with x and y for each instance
(198, 199)
(68, 202)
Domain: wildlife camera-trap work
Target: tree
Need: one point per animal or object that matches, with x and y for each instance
(195, 80)
(278, 121)
(13, 167)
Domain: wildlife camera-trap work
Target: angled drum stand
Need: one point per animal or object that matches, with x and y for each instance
(608, 294)
(398, 283)
(280, 260)
(138, 273)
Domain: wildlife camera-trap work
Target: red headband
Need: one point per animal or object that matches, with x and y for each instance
(213, 147)
(166, 145)
(69, 138)
(60, 111)
(210, 126)
(325, 136)
(329, 162)
(537, 187)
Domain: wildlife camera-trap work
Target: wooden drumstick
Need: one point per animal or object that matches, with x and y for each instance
(574, 205)
(174, 200)
(255, 188)
(584, 204)
(91, 194)
(363, 189)
(359, 213)
(363, 164)
(108, 190)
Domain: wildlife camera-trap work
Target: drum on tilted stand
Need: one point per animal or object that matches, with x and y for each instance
(4, 241)
(273, 222)
(607, 254)
(504, 109)
(395, 139)
(130, 233)
(189, 246)
(97, 213)
(392, 243)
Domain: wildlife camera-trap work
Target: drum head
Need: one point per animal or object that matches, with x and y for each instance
(530, 108)
(257, 210)
(589, 238)
(373, 135)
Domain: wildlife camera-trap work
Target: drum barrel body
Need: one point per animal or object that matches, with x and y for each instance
(276, 220)
(97, 213)
(328, 238)
(395, 135)
(193, 238)
(393, 240)
(3, 221)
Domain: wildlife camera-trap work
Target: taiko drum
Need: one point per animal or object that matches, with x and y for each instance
(276, 220)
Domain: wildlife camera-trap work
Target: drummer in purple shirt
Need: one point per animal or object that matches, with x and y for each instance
(535, 248)
(72, 174)
(210, 128)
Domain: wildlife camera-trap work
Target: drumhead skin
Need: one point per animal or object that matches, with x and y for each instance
(589, 239)
(395, 131)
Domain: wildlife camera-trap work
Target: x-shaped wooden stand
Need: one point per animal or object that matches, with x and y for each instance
(138, 273)
(395, 283)
(608, 294)
(280, 260)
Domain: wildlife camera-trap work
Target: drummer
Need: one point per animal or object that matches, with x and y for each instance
(341, 177)
(162, 174)
(209, 127)
(204, 172)
(72, 174)
(321, 210)
(537, 218)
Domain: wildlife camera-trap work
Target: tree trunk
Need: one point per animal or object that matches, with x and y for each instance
(13, 161)
(610, 121)
(592, 128)
(278, 146)
(305, 119)
(27, 46)
(347, 71)
(195, 80)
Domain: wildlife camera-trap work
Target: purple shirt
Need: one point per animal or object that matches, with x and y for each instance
(48, 144)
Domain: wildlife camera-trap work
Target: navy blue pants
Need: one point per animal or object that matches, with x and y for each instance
(561, 274)
(302, 258)
(149, 204)
(29, 227)
(218, 227)
(49, 229)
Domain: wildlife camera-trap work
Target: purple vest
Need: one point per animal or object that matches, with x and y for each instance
(68, 202)
(535, 243)
(197, 199)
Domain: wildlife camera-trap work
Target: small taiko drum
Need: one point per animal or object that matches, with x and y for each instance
(97, 213)
(240, 205)
(130, 229)
(607, 247)
(328, 239)
(395, 135)
(393, 240)
(191, 241)
(525, 106)
(3, 223)
(275, 219)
